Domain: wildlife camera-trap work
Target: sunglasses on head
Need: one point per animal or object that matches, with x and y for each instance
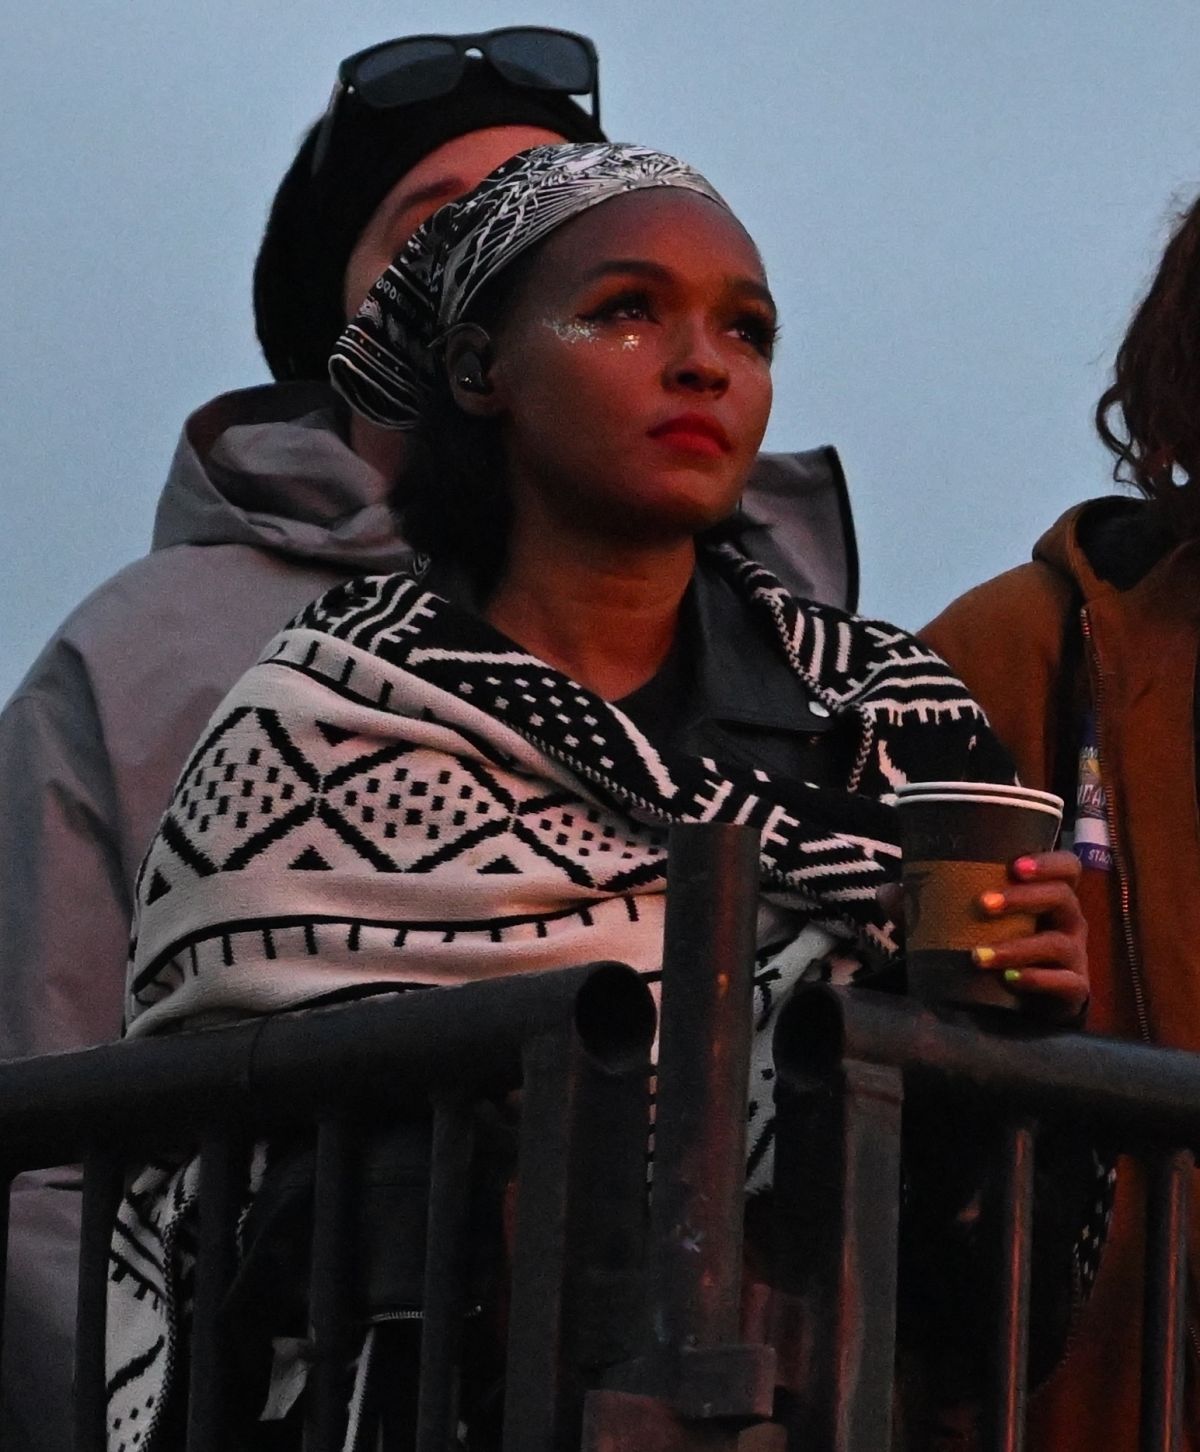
(423, 67)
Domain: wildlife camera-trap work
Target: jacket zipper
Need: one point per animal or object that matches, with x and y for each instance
(1114, 841)
(1124, 895)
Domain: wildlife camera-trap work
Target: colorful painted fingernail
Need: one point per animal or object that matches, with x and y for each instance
(992, 902)
(1012, 976)
(984, 955)
(1026, 867)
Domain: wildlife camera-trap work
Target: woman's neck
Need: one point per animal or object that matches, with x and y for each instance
(603, 611)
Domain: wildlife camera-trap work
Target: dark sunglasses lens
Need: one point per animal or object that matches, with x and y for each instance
(542, 61)
(410, 71)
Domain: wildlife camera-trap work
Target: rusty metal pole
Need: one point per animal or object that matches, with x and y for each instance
(1004, 1416)
(1168, 1184)
(102, 1182)
(703, 1074)
(695, 1386)
(837, 1208)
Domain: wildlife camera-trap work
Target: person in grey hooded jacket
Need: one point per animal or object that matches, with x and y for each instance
(271, 499)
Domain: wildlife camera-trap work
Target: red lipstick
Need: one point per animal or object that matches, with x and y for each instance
(697, 433)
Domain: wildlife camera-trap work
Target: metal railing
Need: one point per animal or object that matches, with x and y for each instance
(576, 1042)
(597, 1292)
(623, 1325)
(846, 1063)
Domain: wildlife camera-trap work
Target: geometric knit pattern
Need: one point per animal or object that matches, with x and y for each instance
(399, 795)
(387, 733)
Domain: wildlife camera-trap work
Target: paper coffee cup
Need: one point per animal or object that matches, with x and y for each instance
(957, 840)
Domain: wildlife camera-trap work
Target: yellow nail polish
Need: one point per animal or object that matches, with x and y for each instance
(992, 902)
(1012, 976)
(984, 955)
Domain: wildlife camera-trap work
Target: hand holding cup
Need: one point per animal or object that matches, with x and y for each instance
(991, 913)
(1051, 962)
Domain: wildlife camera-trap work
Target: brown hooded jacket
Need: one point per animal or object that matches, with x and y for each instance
(1041, 647)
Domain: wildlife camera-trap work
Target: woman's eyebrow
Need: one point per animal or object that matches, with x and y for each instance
(751, 287)
(638, 266)
(656, 272)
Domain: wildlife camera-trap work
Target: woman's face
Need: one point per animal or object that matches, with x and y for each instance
(632, 371)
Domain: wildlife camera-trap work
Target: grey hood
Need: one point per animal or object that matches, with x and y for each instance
(795, 519)
(268, 467)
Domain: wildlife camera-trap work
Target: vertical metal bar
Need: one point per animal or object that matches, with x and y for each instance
(5, 1195)
(535, 1388)
(606, 1291)
(1168, 1183)
(6, 1188)
(102, 1184)
(703, 1070)
(328, 1386)
(446, 1266)
(1005, 1412)
(837, 1205)
(222, 1162)
(693, 1359)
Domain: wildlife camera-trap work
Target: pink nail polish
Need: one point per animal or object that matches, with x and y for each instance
(1025, 867)
(992, 902)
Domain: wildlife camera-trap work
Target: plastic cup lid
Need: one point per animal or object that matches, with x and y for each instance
(946, 789)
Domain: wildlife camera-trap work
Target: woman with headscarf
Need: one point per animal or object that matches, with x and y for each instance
(469, 770)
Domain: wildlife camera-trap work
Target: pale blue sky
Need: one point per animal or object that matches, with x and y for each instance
(958, 202)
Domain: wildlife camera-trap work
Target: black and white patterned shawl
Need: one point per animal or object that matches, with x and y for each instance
(383, 363)
(398, 794)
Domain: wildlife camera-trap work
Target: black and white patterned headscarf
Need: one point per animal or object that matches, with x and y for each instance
(383, 364)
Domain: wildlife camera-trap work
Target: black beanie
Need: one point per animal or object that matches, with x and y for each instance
(315, 222)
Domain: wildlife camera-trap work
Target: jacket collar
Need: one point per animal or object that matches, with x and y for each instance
(741, 676)
(1171, 586)
(735, 671)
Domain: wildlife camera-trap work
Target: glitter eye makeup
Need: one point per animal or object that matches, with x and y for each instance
(574, 331)
(579, 330)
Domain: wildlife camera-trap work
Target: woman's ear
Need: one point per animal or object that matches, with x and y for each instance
(468, 358)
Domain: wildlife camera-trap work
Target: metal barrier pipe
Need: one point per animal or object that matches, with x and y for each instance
(446, 1264)
(693, 1366)
(569, 1091)
(5, 1205)
(837, 1211)
(176, 1089)
(102, 1184)
(1167, 1193)
(606, 1287)
(1141, 1095)
(332, 1256)
(1005, 1416)
(222, 1163)
(535, 1391)
(696, 1202)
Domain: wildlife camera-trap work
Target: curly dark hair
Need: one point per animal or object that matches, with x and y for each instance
(1149, 417)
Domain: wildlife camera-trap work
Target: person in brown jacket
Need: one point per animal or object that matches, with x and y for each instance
(1085, 661)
